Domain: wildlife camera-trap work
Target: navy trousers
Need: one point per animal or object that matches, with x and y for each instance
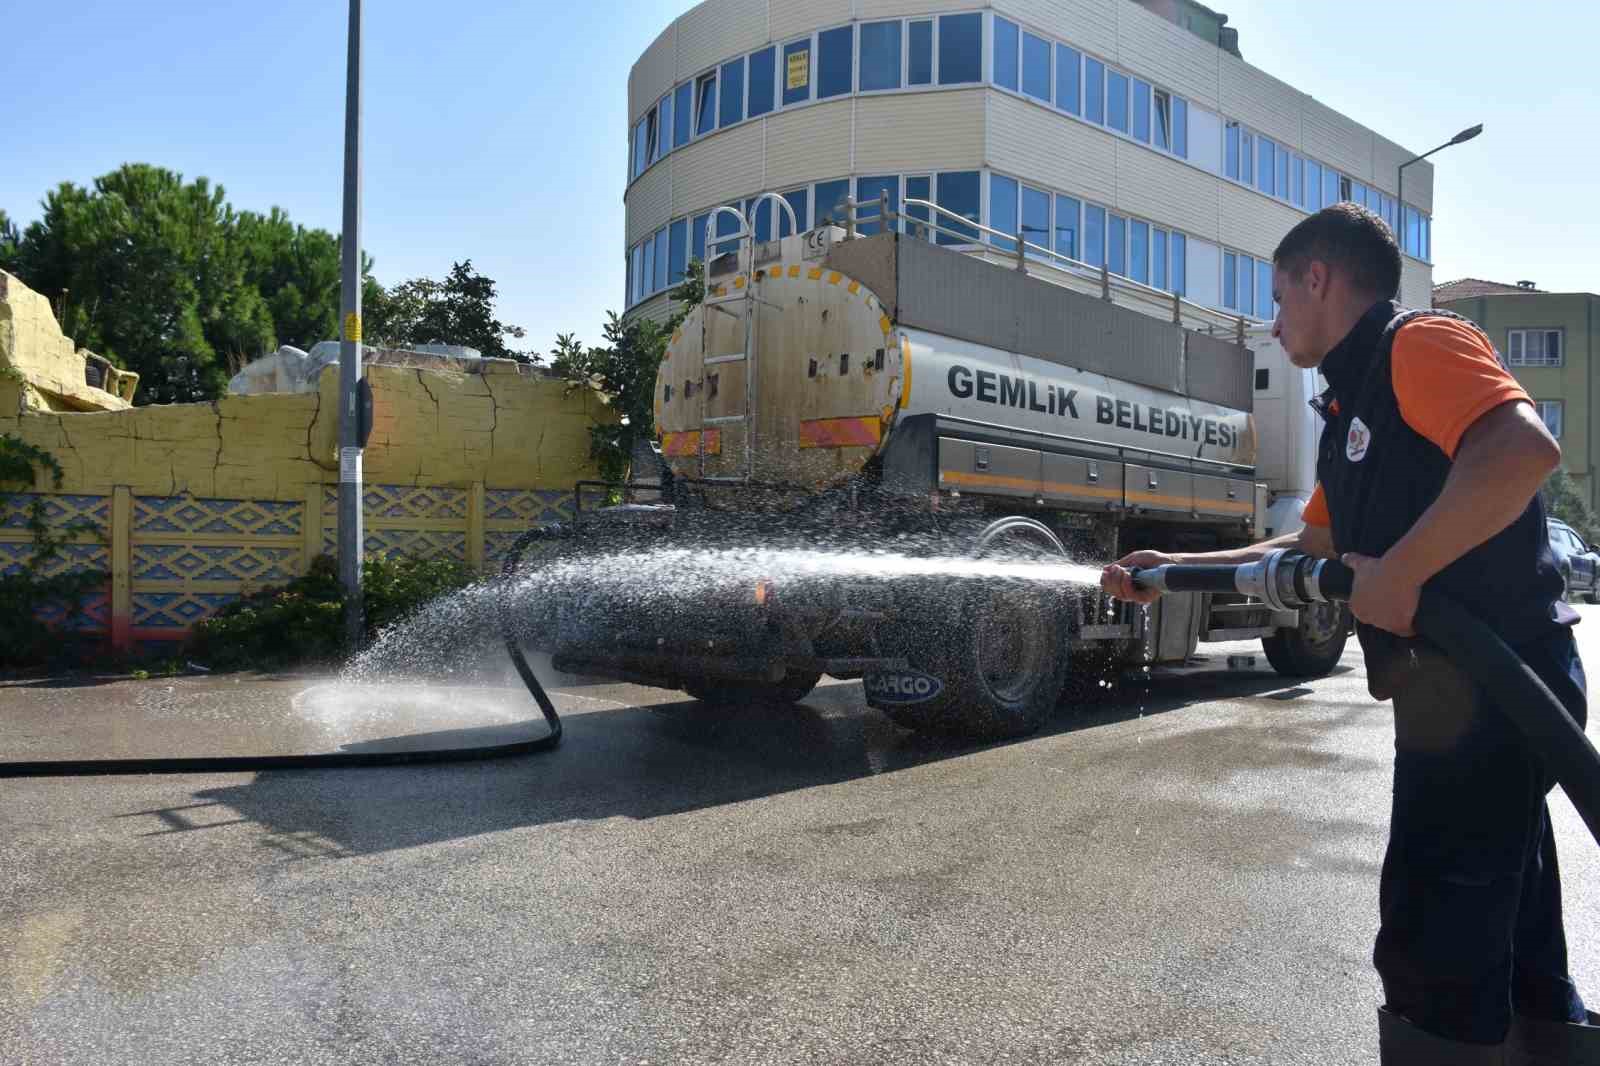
(1470, 897)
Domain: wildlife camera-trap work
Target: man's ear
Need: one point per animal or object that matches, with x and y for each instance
(1317, 279)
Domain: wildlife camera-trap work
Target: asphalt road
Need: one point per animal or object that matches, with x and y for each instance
(1185, 873)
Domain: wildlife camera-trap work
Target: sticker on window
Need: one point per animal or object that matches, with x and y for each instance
(799, 69)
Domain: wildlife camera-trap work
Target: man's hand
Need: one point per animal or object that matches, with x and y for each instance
(1383, 596)
(1116, 580)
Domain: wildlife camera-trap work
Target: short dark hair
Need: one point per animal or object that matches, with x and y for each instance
(1350, 239)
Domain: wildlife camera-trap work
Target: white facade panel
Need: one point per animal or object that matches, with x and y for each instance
(718, 30)
(1416, 277)
(1259, 100)
(1332, 138)
(653, 75)
(790, 18)
(808, 144)
(722, 167)
(885, 9)
(928, 131)
(1033, 142)
(1167, 54)
(1164, 190)
(1251, 222)
(1203, 266)
(650, 201)
(1090, 24)
(1205, 139)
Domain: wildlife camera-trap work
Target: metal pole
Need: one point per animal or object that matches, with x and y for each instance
(350, 526)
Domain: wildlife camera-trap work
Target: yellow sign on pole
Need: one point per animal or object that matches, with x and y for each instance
(800, 69)
(352, 327)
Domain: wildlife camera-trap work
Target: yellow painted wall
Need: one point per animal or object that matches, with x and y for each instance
(32, 343)
(199, 503)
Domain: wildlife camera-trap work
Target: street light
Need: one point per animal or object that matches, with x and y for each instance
(350, 391)
(1400, 186)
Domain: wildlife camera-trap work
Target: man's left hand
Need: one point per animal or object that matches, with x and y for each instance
(1381, 596)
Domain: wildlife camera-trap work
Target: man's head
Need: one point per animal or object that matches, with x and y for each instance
(1326, 273)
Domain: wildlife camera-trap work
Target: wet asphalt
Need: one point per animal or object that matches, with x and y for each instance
(1185, 871)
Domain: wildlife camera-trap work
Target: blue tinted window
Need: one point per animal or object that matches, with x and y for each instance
(732, 92)
(1117, 101)
(918, 189)
(640, 152)
(1180, 127)
(919, 69)
(1313, 200)
(1139, 252)
(763, 80)
(1067, 226)
(635, 273)
(1094, 90)
(705, 107)
(1264, 166)
(647, 276)
(800, 200)
(1158, 259)
(1264, 289)
(1067, 78)
(1141, 111)
(697, 237)
(1299, 178)
(760, 216)
(1330, 186)
(677, 251)
(1094, 234)
(727, 226)
(960, 49)
(834, 56)
(1179, 267)
(1230, 281)
(1247, 159)
(1003, 210)
(627, 279)
(868, 190)
(682, 114)
(831, 196)
(958, 193)
(1247, 285)
(1162, 116)
(1283, 173)
(1036, 218)
(796, 72)
(880, 56)
(1005, 53)
(664, 126)
(1036, 67)
(1230, 153)
(1117, 245)
(663, 258)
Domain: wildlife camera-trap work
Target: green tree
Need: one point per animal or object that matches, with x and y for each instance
(625, 368)
(457, 310)
(164, 277)
(9, 239)
(1563, 500)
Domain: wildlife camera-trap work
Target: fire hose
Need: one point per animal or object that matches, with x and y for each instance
(1289, 580)
(328, 760)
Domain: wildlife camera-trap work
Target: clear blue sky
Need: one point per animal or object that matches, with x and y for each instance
(496, 131)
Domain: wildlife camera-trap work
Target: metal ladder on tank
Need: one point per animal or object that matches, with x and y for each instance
(738, 301)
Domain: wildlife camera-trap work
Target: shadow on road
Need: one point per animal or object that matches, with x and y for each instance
(667, 758)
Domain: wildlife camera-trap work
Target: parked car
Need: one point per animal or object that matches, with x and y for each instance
(1579, 562)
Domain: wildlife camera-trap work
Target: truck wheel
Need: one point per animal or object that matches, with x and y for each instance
(795, 687)
(1313, 648)
(997, 648)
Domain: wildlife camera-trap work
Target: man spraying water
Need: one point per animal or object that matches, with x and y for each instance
(1428, 472)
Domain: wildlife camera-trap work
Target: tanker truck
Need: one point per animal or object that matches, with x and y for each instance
(941, 386)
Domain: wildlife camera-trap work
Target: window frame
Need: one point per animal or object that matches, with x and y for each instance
(1557, 406)
(705, 84)
(1048, 99)
(1517, 347)
(901, 66)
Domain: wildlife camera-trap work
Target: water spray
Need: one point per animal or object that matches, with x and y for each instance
(1289, 580)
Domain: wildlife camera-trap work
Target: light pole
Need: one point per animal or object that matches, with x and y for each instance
(350, 531)
(1400, 185)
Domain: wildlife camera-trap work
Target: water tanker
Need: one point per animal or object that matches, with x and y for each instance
(942, 379)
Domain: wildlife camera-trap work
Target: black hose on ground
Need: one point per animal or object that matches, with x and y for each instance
(330, 760)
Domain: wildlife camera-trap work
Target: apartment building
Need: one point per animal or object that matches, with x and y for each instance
(1548, 341)
(1128, 134)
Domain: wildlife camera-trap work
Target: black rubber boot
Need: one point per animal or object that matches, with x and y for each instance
(1536, 1043)
(1402, 1044)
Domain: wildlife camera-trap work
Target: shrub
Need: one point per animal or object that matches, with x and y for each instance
(303, 622)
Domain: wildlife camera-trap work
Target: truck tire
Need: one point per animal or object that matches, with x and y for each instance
(997, 648)
(1313, 648)
(795, 687)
